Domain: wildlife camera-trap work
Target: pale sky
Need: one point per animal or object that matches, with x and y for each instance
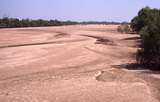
(77, 10)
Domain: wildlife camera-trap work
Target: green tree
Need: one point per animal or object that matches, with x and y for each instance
(143, 18)
(149, 54)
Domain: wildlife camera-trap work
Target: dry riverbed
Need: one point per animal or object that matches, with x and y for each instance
(80, 63)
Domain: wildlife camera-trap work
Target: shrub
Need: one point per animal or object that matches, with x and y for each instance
(149, 54)
(124, 28)
(143, 18)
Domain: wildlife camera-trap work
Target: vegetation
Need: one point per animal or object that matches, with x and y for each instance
(147, 24)
(14, 22)
(124, 28)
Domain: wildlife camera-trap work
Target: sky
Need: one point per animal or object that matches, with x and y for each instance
(76, 10)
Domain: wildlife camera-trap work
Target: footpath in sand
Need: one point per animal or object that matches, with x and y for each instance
(81, 63)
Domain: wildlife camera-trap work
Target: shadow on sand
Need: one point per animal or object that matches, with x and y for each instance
(101, 40)
(132, 38)
(136, 66)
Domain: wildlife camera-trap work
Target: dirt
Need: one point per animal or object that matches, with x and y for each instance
(80, 63)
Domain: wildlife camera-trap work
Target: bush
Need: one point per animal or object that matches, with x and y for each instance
(143, 18)
(149, 54)
(124, 28)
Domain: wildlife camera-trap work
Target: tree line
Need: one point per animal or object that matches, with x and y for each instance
(7, 22)
(147, 24)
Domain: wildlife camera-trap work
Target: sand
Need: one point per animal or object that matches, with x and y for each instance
(80, 63)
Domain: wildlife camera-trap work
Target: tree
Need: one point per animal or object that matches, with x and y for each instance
(143, 18)
(149, 30)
